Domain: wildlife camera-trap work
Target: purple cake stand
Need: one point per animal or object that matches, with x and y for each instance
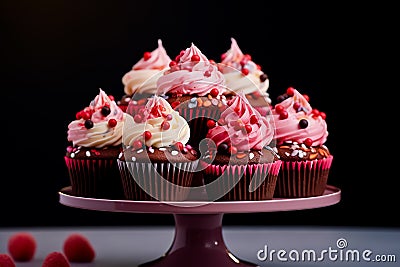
(198, 240)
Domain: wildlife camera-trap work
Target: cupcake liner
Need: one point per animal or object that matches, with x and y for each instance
(242, 182)
(303, 178)
(97, 178)
(157, 181)
(197, 119)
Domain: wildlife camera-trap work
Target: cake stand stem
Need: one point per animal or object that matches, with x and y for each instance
(198, 242)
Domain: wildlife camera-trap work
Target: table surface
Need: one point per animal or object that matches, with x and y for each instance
(131, 246)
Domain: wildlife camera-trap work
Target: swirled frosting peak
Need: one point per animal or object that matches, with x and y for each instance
(191, 73)
(157, 125)
(242, 73)
(144, 74)
(296, 121)
(98, 125)
(241, 128)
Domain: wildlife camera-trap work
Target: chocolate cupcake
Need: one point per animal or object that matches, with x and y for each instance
(239, 164)
(194, 87)
(301, 133)
(140, 82)
(157, 163)
(95, 143)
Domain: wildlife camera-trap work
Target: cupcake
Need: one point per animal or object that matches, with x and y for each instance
(242, 74)
(157, 163)
(239, 164)
(301, 133)
(140, 82)
(194, 87)
(95, 139)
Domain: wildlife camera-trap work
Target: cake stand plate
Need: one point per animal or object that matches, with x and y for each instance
(198, 239)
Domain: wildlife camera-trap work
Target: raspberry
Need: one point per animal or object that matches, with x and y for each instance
(6, 261)
(77, 248)
(22, 246)
(55, 259)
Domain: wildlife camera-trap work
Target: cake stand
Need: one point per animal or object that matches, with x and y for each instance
(198, 240)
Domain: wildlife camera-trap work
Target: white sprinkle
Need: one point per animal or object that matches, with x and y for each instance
(295, 143)
(313, 150)
(77, 151)
(288, 141)
(214, 101)
(174, 152)
(133, 158)
(88, 154)
(294, 153)
(287, 154)
(151, 150)
(162, 149)
(120, 155)
(139, 151)
(193, 100)
(72, 155)
(251, 155)
(304, 146)
(275, 149)
(294, 146)
(192, 105)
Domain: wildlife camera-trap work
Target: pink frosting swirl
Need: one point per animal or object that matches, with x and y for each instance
(101, 133)
(158, 59)
(234, 63)
(300, 122)
(242, 126)
(193, 74)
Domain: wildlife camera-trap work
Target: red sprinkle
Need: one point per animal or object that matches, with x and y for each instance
(195, 58)
(211, 124)
(290, 91)
(147, 135)
(146, 56)
(308, 142)
(112, 123)
(137, 144)
(283, 115)
(245, 71)
(214, 92)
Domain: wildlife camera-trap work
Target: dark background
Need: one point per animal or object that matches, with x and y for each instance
(55, 55)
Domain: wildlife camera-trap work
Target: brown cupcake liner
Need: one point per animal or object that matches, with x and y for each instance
(303, 178)
(241, 182)
(156, 181)
(94, 178)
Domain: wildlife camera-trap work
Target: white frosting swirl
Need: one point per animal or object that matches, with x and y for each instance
(101, 134)
(231, 66)
(144, 74)
(178, 130)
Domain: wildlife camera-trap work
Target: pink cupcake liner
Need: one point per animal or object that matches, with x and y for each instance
(157, 181)
(303, 178)
(97, 178)
(197, 119)
(242, 182)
